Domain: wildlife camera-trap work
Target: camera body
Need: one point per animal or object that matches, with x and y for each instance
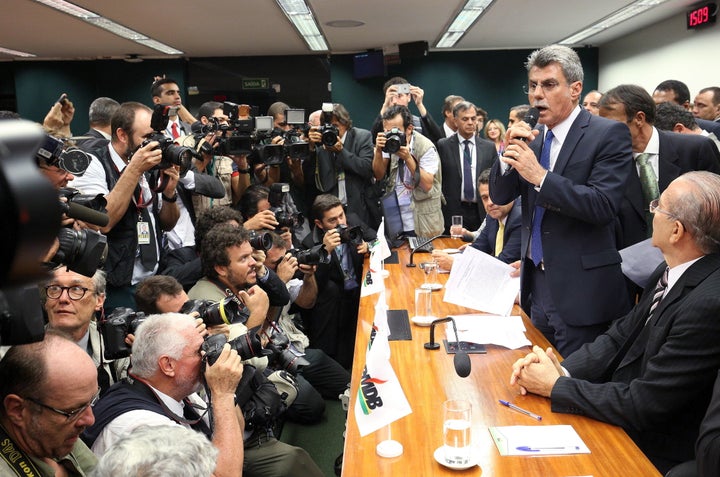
(282, 358)
(394, 140)
(172, 154)
(116, 327)
(351, 235)
(260, 240)
(226, 311)
(312, 256)
(329, 134)
(285, 215)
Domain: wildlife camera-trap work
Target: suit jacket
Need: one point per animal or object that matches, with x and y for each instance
(678, 154)
(356, 160)
(205, 184)
(707, 448)
(581, 198)
(95, 141)
(485, 240)
(709, 126)
(659, 390)
(452, 166)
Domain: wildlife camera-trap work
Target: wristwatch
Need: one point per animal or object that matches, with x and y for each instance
(169, 199)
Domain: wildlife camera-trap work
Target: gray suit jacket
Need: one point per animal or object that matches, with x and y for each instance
(659, 389)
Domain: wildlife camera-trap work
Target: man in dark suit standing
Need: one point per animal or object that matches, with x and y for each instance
(652, 372)
(571, 282)
(99, 115)
(344, 169)
(659, 157)
(677, 92)
(463, 156)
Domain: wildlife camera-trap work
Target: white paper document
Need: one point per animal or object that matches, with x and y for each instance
(481, 282)
(537, 440)
(507, 331)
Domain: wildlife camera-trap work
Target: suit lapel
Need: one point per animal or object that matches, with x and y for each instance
(571, 141)
(634, 193)
(667, 163)
(457, 160)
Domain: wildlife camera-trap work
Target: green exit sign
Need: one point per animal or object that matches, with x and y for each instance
(255, 83)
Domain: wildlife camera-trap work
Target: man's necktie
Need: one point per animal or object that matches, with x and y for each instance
(649, 185)
(468, 189)
(536, 233)
(175, 132)
(658, 294)
(499, 238)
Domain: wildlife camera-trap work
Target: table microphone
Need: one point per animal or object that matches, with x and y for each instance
(461, 360)
(420, 245)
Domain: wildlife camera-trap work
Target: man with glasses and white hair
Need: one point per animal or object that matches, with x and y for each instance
(652, 372)
(47, 390)
(71, 302)
(570, 173)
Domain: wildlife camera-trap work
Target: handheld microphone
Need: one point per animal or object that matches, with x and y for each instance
(86, 214)
(420, 245)
(461, 360)
(531, 118)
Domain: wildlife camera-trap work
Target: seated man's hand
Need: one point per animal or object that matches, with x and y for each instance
(443, 259)
(223, 329)
(264, 220)
(331, 240)
(257, 302)
(363, 248)
(537, 372)
(287, 267)
(224, 375)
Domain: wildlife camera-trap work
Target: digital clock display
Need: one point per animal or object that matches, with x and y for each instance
(702, 15)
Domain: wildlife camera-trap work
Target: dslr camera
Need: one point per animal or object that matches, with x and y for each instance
(394, 140)
(260, 240)
(312, 256)
(116, 327)
(172, 154)
(285, 214)
(351, 235)
(328, 131)
(226, 311)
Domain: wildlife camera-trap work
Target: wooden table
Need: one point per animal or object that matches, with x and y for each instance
(428, 378)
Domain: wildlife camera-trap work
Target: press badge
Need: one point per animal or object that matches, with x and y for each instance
(143, 231)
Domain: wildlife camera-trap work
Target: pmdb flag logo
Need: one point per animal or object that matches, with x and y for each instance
(368, 395)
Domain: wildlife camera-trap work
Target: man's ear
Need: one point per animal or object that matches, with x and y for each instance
(166, 365)
(221, 270)
(156, 99)
(14, 407)
(318, 224)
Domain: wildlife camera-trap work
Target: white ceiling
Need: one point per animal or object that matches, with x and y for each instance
(258, 27)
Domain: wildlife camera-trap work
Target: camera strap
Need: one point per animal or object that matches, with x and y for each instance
(16, 459)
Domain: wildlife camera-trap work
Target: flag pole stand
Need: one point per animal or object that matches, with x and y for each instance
(388, 447)
(384, 273)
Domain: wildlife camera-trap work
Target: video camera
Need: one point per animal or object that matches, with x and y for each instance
(172, 154)
(394, 140)
(241, 134)
(293, 145)
(285, 214)
(54, 153)
(226, 311)
(116, 327)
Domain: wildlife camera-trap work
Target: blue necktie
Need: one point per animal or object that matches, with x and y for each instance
(536, 235)
(468, 189)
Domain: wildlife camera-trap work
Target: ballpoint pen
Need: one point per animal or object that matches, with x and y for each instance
(539, 449)
(519, 409)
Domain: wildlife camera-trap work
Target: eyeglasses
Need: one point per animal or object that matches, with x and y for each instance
(547, 86)
(69, 415)
(75, 292)
(653, 207)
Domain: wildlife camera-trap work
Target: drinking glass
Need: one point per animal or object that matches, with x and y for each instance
(457, 439)
(456, 226)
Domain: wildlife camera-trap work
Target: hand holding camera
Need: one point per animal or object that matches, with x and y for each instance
(257, 301)
(223, 375)
(287, 267)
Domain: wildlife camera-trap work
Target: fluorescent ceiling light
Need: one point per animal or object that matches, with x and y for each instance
(611, 20)
(304, 21)
(22, 54)
(109, 25)
(462, 22)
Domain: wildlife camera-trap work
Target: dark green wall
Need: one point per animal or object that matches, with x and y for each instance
(491, 79)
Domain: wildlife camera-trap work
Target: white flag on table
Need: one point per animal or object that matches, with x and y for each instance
(380, 398)
(373, 281)
(384, 247)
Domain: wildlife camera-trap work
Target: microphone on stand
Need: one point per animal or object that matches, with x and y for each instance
(461, 360)
(420, 245)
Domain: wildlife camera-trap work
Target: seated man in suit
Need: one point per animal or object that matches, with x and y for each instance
(677, 92)
(463, 156)
(501, 235)
(652, 372)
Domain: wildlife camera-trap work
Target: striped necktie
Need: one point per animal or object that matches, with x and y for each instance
(658, 294)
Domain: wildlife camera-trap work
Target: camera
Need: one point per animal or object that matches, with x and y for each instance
(312, 256)
(283, 358)
(293, 145)
(394, 140)
(226, 311)
(260, 240)
(328, 132)
(247, 346)
(285, 214)
(172, 154)
(403, 88)
(52, 152)
(82, 251)
(352, 235)
(116, 327)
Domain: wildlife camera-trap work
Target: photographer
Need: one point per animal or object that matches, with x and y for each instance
(167, 372)
(324, 374)
(137, 214)
(71, 303)
(344, 157)
(331, 322)
(258, 212)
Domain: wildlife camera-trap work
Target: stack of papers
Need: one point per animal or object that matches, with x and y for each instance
(507, 331)
(538, 440)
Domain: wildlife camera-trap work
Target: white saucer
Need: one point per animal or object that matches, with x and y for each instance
(423, 320)
(440, 459)
(431, 286)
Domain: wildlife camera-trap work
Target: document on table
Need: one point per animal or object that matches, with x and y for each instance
(481, 282)
(507, 331)
(538, 440)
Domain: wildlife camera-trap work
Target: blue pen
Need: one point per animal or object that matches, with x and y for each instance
(538, 449)
(519, 409)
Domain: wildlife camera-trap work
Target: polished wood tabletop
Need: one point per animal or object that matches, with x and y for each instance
(428, 378)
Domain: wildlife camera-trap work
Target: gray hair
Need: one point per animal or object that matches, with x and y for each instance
(699, 209)
(159, 335)
(566, 57)
(463, 106)
(101, 110)
(100, 281)
(159, 451)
